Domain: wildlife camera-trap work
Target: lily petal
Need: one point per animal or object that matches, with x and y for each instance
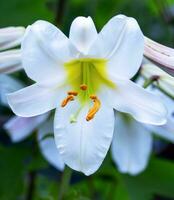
(11, 37)
(131, 146)
(83, 144)
(83, 33)
(34, 100)
(7, 85)
(167, 130)
(143, 105)
(19, 128)
(44, 49)
(48, 146)
(121, 42)
(10, 61)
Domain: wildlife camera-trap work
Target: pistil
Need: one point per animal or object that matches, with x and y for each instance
(83, 87)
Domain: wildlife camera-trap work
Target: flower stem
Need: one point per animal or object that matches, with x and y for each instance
(65, 181)
(31, 185)
(149, 81)
(60, 11)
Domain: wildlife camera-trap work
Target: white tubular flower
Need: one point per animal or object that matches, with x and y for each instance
(160, 54)
(10, 61)
(48, 147)
(11, 37)
(160, 78)
(132, 141)
(85, 77)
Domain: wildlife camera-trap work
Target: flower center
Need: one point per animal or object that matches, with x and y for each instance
(86, 76)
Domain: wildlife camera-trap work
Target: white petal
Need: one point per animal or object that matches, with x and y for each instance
(144, 106)
(34, 100)
(83, 145)
(10, 61)
(131, 146)
(44, 48)
(18, 128)
(167, 130)
(11, 37)
(48, 146)
(122, 43)
(7, 85)
(83, 33)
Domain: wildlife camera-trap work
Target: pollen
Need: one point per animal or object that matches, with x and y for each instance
(69, 98)
(92, 111)
(74, 93)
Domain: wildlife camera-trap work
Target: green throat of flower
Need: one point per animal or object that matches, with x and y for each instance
(86, 76)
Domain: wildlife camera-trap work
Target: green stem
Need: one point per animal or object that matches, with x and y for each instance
(65, 181)
(165, 92)
(154, 80)
(148, 82)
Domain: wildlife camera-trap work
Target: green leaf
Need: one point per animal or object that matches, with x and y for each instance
(45, 188)
(12, 170)
(157, 179)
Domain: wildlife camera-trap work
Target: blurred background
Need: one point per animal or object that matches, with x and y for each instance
(24, 173)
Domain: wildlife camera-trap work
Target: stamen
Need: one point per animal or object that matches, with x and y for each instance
(83, 87)
(94, 109)
(74, 93)
(67, 100)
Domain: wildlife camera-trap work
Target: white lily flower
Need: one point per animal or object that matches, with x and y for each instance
(133, 141)
(10, 61)
(48, 147)
(162, 80)
(11, 37)
(93, 69)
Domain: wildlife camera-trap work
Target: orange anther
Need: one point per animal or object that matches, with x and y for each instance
(66, 100)
(74, 93)
(83, 87)
(93, 97)
(94, 109)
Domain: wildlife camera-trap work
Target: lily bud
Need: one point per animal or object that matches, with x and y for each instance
(162, 55)
(11, 37)
(162, 80)
(10, 61)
